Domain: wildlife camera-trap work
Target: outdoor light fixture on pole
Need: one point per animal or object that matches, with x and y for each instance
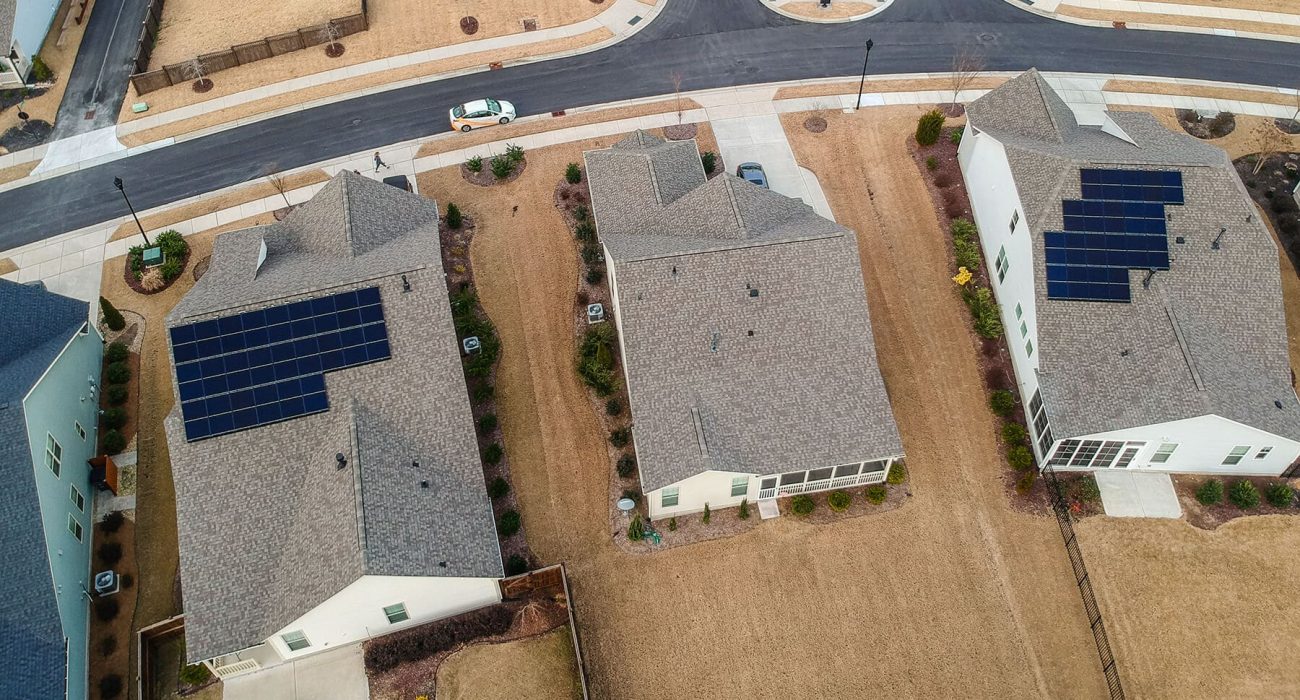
(858, 105)
(117, 182)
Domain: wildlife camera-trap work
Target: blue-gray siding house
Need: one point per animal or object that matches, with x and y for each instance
(23, 26)
(50, 358)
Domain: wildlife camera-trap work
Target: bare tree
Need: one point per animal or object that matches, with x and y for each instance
(195, 69)
(1269, 141)
(676, 77)
(967, 65)
(332, 34)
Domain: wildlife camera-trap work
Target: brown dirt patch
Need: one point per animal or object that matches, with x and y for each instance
(211, 205)
(1178, 20)
(540, 667)
(840, 9)
(680, 132)
(17, 172)
(7, 265)
(1241, 95)
(968, 596)
(851, 87)
(60, 60)
(1194, 613)
(469, 25)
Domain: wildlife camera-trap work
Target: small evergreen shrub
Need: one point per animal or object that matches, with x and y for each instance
(928, 127)
(955, 136)
(509, 523)
(118, 373)
(709, 160)
(1026, 482)
(113, 418)
(632, 495)
(626, 466)
(967, 254)
(802, 504)
(743, 513)
(1279, 494)
(126, 580)
(109, 553)
(963, 229)
(172, 243)
(897, 473)
(515, 154)
(194, 674)
(107, 646)
(707, 515)
(1002, 402)
(106, 609)
(839, 501)
(613, 407)
(498, 488)
(487, 423)
(116, 394)
(984, 311)
(492, 453)
(584, 231)
(931, 163)
(502, 167)
(516, 565)
(116, 352)
(573, 174)
(1020, 458)
(636, 529)
(1089, 492)
(41, 72)
(110, 686)
(672, 524)
(112, 317)
(112, 522)
(474, 164)
(581, 213)
(876, 494)
(595, 275)
(483, 392)
(620, 437)
(454, 218)
(596, 359)
(114, 442)
(171, 269)
(1014, 433)
(1244, 495)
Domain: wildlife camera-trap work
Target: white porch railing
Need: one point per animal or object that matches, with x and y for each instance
(237, 668)
(823, 485)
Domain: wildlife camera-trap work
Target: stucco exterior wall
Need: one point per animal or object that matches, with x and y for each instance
(67, 395)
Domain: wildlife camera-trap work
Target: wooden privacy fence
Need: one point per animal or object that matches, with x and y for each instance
(146, 81)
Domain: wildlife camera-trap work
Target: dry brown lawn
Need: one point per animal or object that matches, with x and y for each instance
(193, 27)
(1243, 140)
(60, 60)
(7, 265)
(1199, 614)
(847, 87)
(1243, 95)
(17, 172)
(838, 10)
(1285, 6)
(1179, 20)
(952, 594)
(540, 668)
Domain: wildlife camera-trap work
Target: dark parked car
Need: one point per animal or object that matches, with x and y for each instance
(753, 172)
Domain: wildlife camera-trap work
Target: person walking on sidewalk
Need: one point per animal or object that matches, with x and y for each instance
(379, 163)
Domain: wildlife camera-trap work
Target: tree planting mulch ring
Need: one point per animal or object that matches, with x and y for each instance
(334, 50)
(1214, 127)
(681, 132)
(129, 277)
(815, 124)
(469, 25)
(1287, 126)
(202, 85)
(30, 134)
(201, 268)
(485, 178)
(9, 98)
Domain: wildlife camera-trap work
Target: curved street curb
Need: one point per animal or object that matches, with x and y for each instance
(1146, 26)
(775, 6)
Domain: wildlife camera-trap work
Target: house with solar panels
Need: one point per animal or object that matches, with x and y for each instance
(745, 337)
(1139, 290)
(328, 482)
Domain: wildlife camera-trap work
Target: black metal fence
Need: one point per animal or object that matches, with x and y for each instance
(1066, 523)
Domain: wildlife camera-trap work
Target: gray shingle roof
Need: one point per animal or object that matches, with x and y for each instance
(641, 175)
(269, 528)
(1226, 303)
(8, 10)
(35, 325)
(802, 391)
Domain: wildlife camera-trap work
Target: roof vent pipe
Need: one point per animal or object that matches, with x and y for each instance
(340, 461)
(1215, 244)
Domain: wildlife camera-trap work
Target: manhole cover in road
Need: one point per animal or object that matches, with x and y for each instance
(987, 37)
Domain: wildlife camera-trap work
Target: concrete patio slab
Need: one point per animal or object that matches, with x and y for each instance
(339, 674)
(1137, 494)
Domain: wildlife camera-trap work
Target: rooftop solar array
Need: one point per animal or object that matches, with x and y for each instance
(269, 365)
(1117, 226)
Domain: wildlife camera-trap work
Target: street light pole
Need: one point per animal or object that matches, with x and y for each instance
(858, 105)
(117, 182)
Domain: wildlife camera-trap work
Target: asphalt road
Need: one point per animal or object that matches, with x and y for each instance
(99, 77)
(711, 43)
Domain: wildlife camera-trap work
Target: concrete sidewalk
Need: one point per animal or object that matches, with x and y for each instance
(1171, 17)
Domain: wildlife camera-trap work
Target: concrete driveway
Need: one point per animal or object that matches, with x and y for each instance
(339, 674)
(761, 139)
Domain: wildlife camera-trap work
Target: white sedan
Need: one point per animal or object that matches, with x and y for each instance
(479, 113)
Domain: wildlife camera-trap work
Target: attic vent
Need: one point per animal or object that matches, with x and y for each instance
(1180, 239)
(340, 461)
(1277, 403)
(713, 347)
(753, 292)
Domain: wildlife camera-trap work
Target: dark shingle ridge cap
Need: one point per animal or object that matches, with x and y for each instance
(715, 245)
(358, 483)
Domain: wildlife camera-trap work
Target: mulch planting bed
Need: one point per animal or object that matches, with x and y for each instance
(469, 25)
(1271, 189)
(34, 133)
(129, 277)
(1206, 127)
(485, 178)
(1287, 126)
(118, 627)
(681, 132)
(9, 98)
(815, 124)
(1211, 516)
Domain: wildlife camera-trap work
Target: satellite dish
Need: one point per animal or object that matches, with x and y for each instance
(625, 504)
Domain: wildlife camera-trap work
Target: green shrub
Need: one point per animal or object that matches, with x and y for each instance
(931, 163)
(984, 311)
(492, 453)
(672, 524)
(487, 422)
(516, 565)
(743, 513)
(41, 72)
(483, 392)
(498, 488)
(454, 217)
(502, 167)
(109, 553)
(172, 243)
(955, 136)
(626, 465)
(966, 254)
(106, 609)
(584, 231)
(964, 230)
(112, 522)
(632, 495)
(1020, 458)
(116, 351)
(595, 275)
(591, 253)
(709, 160)
(928, 127)
(195, 674)
(620, 437)
(117, 373)
(1014, 433)
(613, 407)
(707, 515)
(1089, 492)
(839, 501)
(573, 174)
(474, 164)
(802, 504)
(636, 529)
(897, 473)
(107, 646)
(114, 442)
(113, 418)
(581, 213)
(509, 523)
(116, 394)
(515, 154)
(110, 686)
(1244, 495)
(1279, 494)
(1002, 402)
(596, 359)
(112, 317)
(1026, 481)
(171, 269)
(876, 494)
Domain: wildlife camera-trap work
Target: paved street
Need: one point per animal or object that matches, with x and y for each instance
(711, 43)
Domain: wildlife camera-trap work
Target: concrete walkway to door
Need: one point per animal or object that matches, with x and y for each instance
(339, 674)
(1136, 494)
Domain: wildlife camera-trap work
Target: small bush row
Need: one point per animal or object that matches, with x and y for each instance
(386, 653)
(1244, 494)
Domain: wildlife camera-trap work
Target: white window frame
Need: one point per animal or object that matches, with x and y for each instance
(1024, 329)
(1263, 452)
(1002, 263)
(1029, 348)
(398, 611)
(1235, 456)
(1019, 311)
(81, 432)
(77, 498)
(670, 493)
(741, 482)
(1015, 219)
(1161, 455)
(295, 637)
(53, 454)
(74, 526)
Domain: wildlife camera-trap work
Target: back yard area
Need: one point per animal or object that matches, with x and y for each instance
(953, 593)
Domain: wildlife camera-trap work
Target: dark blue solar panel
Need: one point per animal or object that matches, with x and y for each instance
(1118, 225)
(264, 366)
